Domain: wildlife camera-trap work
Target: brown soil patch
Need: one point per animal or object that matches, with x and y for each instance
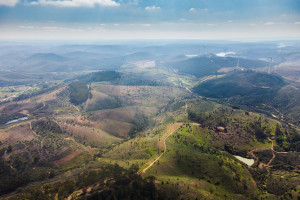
(114, 127)
(50, 96)
(18, 133)
(121, 114)
(90, 135)
(68, 157)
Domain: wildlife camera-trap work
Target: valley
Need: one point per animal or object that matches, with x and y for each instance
(158, 126)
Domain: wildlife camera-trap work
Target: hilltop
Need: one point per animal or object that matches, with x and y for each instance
(255, 90)
(200, 66)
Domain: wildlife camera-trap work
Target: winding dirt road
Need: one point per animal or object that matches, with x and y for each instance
(273, 152)
(30, 126)
(273, 157)
(165, 149)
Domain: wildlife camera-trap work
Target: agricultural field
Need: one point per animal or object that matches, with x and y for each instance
(14, 91)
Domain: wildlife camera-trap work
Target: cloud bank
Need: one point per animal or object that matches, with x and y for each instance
(10, 3)
(76, 3)
(152, 8)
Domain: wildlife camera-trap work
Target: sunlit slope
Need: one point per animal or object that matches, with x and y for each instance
(261, 91)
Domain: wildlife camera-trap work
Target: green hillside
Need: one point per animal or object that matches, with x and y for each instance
(209, 65)
(241, 83)
(79, 92)
(199, 161)
(260, 91)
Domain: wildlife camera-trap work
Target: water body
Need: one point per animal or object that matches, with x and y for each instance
(247, 161)
(223, 54)
(16, 120)
(191, 56)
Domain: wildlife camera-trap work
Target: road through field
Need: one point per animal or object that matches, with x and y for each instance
(165, 149)
(273, 152)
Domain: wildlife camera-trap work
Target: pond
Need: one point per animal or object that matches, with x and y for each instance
(247, 161)
(16, 120)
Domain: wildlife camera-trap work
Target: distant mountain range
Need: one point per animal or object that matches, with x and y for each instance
(46, 57)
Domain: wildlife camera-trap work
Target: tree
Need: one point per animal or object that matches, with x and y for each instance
(134, 168)
(278, 132)
(9, 149)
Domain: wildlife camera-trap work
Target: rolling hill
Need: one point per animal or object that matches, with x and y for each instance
(255, 90)
(142, 132)
(241, 83)
(209, 65)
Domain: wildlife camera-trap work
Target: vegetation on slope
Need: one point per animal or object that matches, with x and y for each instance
(260, 91)
(100, 76)
(240, 130)
(79, 92)
(106, 182)
(71, 152)
(209, 65)
(241, 83)
(199, 170)
(42, 127)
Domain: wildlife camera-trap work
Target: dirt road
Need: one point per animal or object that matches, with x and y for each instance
(186, 107)
(273, 152)
(165, 149)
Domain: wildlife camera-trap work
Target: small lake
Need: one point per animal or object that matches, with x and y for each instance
(247, 161)
(16, 120)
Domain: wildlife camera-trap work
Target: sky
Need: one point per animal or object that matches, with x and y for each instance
(150, 19)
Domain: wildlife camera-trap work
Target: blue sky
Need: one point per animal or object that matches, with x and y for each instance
(150, 19)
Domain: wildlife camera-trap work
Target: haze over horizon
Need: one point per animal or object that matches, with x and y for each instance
(140, 19)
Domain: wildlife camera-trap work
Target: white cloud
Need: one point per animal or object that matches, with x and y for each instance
(198, 10)
(76, 3)
(10, 3)
(26, 27)
(269, 23)
(297, 23)
(60, 28)
(50, 27)
(134, 2)
(152, 8)
(283, 15)
(146, 25)
(97, 28)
